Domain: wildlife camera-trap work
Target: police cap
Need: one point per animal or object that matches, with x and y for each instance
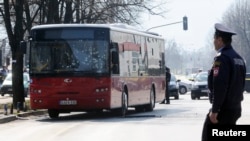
(223, 31)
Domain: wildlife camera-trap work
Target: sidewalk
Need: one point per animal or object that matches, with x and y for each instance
(7, 101)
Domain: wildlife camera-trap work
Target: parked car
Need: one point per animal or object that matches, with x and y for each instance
(6, 87)
(173, 87)
(247, 82)
(199, 86)
(3, 74)
(191, 76)
(185, 86)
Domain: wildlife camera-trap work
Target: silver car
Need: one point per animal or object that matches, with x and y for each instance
(199, 86)
(173, 87)
(6, 87)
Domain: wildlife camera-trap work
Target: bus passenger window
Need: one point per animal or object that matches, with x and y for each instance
(115, 62)
(115, 69)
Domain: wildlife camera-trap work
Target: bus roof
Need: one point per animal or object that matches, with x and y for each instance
(116, 27)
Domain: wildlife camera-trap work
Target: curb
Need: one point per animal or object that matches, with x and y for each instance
(9, 118)
(32, 113)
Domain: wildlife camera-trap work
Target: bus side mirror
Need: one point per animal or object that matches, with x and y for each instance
(23, 46)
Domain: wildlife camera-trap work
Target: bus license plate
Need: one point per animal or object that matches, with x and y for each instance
(68, 102)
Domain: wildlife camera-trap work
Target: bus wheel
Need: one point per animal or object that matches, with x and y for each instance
(151, 105)
(124, 104)
(53, 113)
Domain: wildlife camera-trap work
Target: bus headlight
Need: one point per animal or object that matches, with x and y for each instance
(101, 90)
(36, 91)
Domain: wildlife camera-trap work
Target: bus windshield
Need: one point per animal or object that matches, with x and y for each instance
(85, 55)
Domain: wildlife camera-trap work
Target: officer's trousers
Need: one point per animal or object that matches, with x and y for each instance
(225, 117)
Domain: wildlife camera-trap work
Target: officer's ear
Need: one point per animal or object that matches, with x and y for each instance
(218, 39)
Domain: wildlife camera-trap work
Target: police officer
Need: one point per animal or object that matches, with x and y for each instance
(168, 77)
(226, 82)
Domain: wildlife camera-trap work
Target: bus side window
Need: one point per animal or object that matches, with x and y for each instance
(114, 58)
(115, 62)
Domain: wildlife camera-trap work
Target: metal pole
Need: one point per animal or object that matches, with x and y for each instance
(164, 25)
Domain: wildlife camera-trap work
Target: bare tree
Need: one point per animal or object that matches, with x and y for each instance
(97, 11)
(15, 34)
(238, 17)
(20, 15)
(173, 56)
(182, 59)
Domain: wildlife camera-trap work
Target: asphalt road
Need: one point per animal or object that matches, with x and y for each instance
(179, 121)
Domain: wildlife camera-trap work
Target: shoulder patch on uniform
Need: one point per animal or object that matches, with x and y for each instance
(216, 71)
(238, 61)
(217, 63)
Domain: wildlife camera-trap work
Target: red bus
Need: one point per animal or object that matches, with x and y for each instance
(95, 67)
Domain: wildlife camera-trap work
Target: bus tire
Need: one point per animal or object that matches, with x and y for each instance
(124, 105)
(53, 113)
(151, 105)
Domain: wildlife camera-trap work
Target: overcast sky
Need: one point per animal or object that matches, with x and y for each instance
(202, 14)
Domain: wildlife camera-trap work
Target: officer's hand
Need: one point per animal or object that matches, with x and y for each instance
(213, 117)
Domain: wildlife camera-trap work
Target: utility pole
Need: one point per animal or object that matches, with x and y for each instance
(184, 21)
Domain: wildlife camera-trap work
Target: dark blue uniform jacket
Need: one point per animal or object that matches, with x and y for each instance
(226, 80)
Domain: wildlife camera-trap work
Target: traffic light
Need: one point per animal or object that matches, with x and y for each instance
(160, 63)
(185, 23)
